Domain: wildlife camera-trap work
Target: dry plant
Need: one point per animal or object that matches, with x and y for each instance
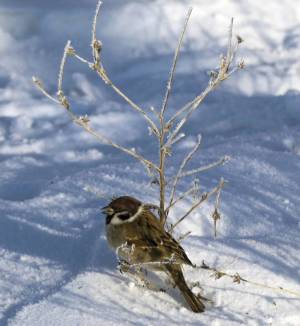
(167, 131)
(238, 279)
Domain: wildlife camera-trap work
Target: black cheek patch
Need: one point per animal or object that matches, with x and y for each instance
(108, 218)
(124, 216)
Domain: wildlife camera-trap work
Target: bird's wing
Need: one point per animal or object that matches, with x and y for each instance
(155, 243)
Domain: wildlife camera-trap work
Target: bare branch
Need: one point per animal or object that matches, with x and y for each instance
(98, 67)
(236, 278)
(164, 128)
(84, 123)
(89, 63)
(39, 85)
(203, 198)
(160, 129)
(103, 75)
(96, 44)
(183, 236)
(106, 79)
(62, 67)
(181, 197)
(60, 94)
(216, 79)
(230, 53)
(181, 167)
(222, 161)
(177, 139)
(94, 27)
(108, 141)
(216, 214)
(190, 107)
(176, 55)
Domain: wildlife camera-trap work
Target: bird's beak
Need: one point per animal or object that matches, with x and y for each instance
(107, 210)
(104, 209)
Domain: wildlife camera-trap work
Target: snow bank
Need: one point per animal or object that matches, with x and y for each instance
(55, 263)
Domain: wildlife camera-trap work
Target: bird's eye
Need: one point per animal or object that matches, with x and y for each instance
(123, 216)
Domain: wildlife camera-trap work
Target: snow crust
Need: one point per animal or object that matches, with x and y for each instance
(56, 268)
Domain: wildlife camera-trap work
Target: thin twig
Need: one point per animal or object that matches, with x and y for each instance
(181, 197)
(62, 67)
(215, 81)
(190, 107)
(96, 44)
(203, 198)
(39, 85)
(84, 121)
(183, 236)
(160, 130)
(216, 213)
(98, 67)
(94, 27)
(181, 167)
(230, 53)
(177, 139)
(238, 279)
(164, 129)
(108, 141)
(89, 63)
(107, 80)
(102, 74)
(175, 59)
(221, 161)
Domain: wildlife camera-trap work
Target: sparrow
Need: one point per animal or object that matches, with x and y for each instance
(139, 238)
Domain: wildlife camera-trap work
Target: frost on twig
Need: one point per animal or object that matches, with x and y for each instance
(195, 205)
(221, 161)
(181, 167)
(176, 55)
(167, 132)
(83, 121)
(224, 71)
(96, 44)
(183, 236)
(216, 216)
(237, 278)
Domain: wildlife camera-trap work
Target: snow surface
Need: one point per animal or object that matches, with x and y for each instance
(56, 268)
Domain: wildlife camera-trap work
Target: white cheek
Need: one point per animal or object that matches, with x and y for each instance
(117, 221)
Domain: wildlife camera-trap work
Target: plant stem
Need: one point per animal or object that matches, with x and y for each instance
(162, 181)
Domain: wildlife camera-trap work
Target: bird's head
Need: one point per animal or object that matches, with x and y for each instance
(121, 210)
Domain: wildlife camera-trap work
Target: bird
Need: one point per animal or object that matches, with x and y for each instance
(138, 238)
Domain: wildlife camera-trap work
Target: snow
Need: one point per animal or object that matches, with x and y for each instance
(56, 267)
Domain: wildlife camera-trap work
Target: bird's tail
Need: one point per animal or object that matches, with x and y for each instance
(192, 300)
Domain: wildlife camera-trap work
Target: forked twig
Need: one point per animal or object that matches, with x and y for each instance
(84, 121)
(40, 86)
(216, 79)
(98, 67)
(181, 197)
(238, 279)
(96, 44)
(202, 199)
(183, 236)
(176, 55)
(181, 167)
(62, 66)
(216, 213)
(164, 149)
(221, 161)
(166, 135)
